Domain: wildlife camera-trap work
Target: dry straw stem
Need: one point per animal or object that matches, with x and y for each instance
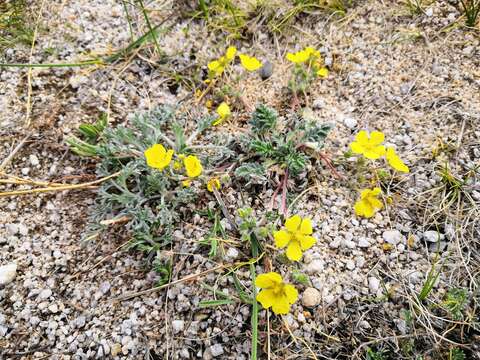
(29, 73)
(60, 188)
(186, 278)
(9, 158)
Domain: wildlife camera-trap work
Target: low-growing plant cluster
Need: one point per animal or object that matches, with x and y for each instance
(162, 170)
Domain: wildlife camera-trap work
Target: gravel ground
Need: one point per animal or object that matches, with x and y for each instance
(401, 74)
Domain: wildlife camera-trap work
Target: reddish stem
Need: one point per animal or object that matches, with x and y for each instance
(329, 164)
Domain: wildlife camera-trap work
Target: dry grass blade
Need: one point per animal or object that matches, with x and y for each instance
(60, 188)
(158, 288)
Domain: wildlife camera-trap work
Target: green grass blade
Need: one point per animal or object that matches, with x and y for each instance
(212, 303)
(150, 28)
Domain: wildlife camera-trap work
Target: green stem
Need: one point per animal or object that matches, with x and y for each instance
(254, 319)
(150, 28)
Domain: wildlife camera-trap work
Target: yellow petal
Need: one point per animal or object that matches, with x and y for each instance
(282, 238)
(376, 191)
(363, 208)
(250, 63)
(395, 161)
(268, 280)
(193, 166)
(362, 137)
(214, 65)
(322, 72)
(213, 182)
(302, 56)
(306, 242)
(291, 293)
(376, 137)
(294, 252)
(266, 298)
(293, 223)
(230, 54)
(281, 306)
(366, 193)
(375, 203)
(306, 227)
(223, 110)
(158, 157)
(374, 153)
(357, 148)
(291, 57)
(186, 183)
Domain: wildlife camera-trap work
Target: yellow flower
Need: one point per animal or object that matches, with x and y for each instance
(303, 55)
(230, 54)
(369, 146)
(298, 57)
(311, 52)
(368, 203)
(186, 183)
(296, 236)
(158, 157)
(213, 182)
(275, 294)
(322, 72)
(193, 166)
(249, 62)
(223, 112)
(208, 104)
(395, 161)
(216, 67)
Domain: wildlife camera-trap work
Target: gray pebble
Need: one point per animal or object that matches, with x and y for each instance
(216, 350)
(266, 70)
(393, 237)
(44, 294)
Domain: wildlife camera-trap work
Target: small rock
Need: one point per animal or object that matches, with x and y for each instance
(216, 350)
(34, 160)
(53, 308)
(12, 229)
(401, 325)
(7, 273)
(393, 237)
(44, 294)
(363, 243)
(311, 297)
(350, 264)
(22, 230)
(318, 104)
(3, 330)
(432, 236)
(232, 253)
(429, 12)
(315, 267)
(373, 284)
(116, 349)
(104, 287)
(178, 326)
(350, 122)
(80, 321)
(266, 70)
